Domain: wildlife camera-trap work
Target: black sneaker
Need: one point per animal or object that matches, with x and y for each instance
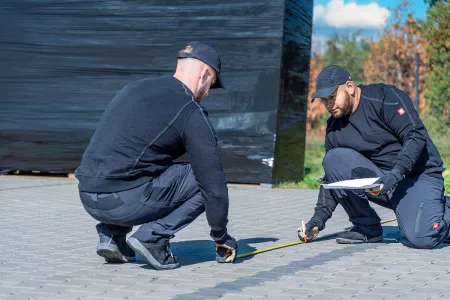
(357, 236)
(115, 249)
(157, 254)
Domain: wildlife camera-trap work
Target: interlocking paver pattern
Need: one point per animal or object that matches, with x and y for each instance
(48, 247)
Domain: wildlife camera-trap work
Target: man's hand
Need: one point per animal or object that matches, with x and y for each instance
(307, 231)
(388, 182)
(226, 250)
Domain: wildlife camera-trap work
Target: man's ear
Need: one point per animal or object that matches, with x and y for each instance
(351, 88)
(204, 75)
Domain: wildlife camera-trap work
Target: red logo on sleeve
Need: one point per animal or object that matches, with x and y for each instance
(435, 226)
(401, 111)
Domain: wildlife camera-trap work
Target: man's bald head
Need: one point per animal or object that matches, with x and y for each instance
(195, 74)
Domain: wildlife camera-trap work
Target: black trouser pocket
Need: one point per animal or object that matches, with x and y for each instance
(103, 202)
(116, 208)
(417, 227)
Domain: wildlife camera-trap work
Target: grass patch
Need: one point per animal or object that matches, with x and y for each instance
(442, 142)
(307, 183)
(314, 153)
(447, 173)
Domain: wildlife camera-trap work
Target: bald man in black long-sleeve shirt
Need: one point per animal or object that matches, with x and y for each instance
(374, 131)
(128, 177)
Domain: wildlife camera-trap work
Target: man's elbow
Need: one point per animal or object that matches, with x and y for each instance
(417, 137)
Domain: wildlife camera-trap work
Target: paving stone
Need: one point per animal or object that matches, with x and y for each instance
(410, 296)
(259, 217)
(328, 296)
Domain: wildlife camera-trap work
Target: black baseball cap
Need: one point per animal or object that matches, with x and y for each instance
(208, 55)
(329, 79)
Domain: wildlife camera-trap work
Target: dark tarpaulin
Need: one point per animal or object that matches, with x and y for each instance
(293, 97)
(63, 61)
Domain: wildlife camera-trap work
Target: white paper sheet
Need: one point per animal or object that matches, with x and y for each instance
(354, 184)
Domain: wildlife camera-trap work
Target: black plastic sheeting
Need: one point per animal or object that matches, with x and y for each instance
(62, 61)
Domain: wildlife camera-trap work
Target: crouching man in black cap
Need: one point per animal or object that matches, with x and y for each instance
(127, 176)
(374, 131)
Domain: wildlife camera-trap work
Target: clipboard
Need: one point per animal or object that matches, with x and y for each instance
(354, 184)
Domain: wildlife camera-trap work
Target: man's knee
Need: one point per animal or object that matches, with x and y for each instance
(430, 239)
(336, 156)
(423, 243)
(344, 164)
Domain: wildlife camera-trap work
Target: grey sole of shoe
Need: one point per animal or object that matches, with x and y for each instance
(349, 241)
(112, 254)
(147, 256)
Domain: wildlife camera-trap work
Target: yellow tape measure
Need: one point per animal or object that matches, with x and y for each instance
(299, 242)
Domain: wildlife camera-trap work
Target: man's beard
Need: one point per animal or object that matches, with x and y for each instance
(346, 109)
(201, 93)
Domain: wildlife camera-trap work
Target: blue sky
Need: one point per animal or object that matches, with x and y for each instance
(343, 16)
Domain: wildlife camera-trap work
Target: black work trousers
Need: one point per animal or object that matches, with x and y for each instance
(162, 206)
(422, 210)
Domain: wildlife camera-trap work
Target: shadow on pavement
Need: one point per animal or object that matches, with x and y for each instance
(392, 235)
(198, 251)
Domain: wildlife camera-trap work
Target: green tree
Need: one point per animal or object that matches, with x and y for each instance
(434, 2)
(348, 51)
(436, 29)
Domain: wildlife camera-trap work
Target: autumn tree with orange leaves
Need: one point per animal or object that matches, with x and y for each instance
(315, 118)
(392, 59)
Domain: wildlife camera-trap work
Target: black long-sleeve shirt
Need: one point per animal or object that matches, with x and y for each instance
(149, 124)
(385, 128)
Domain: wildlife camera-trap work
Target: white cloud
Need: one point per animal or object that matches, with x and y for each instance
(338, 14)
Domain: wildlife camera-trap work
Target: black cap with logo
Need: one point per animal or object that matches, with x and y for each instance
(208, 55)
(329, 79)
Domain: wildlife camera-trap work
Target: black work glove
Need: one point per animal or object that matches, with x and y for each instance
(389, 181)
(226, 249)
(308, 231)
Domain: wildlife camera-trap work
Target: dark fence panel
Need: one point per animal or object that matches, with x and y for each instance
(63, 61)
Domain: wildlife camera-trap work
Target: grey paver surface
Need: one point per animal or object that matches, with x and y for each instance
(48, 247)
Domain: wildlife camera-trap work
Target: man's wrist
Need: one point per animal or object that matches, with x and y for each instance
(317, 222)
(399, 172)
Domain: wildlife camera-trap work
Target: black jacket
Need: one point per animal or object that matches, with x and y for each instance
(148, 125)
